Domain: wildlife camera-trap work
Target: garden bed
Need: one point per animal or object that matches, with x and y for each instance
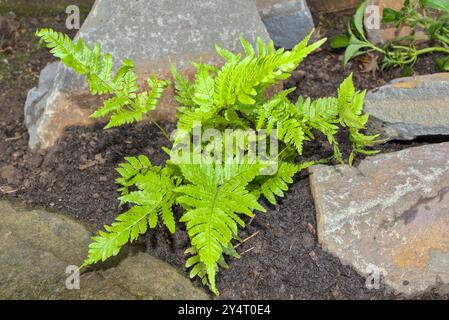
(281, 260)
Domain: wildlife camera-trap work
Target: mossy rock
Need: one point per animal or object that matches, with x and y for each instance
(37, 246)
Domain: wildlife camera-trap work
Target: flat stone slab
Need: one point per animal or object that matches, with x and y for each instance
(149, 33)
(390, 215)
(411, 107)
(287, 21)
(37, 246)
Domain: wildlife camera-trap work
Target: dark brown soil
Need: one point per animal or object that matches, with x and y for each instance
(282, 261)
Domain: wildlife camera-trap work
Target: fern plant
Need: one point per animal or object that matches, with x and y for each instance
(215, 195)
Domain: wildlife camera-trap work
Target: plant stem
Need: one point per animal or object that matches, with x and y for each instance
(432, 49)
(442, 38)
(159, 127)
(376, 48)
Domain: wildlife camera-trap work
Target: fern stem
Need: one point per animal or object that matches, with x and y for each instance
(246, 239)
(282, 151)
(160, 128)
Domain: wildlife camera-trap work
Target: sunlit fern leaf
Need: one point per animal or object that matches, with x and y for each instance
(292, 132)
(350, 103)
(127, 106)
(241, 80)
(214, 198)
(153, 198)
(81, 58)
(127, 228)
(150, 183)
(247, 47)
(275, 185)
(129, 170)
(203, 89)
(222, 90)
(135, 109)
(110, 106)
(322, 108)
(360, 142)
(226, 54)
(198, 268)
(184, 89)
(266, 111)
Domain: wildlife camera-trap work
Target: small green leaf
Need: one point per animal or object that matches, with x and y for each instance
(390, 15)
(352, 51)
(358, 19)
(442, 5)
(443, 63)
(407, 71)
(339, 41)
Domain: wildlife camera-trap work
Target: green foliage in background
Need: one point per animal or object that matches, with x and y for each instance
(430, 16)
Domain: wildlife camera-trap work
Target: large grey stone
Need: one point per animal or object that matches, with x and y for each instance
(148, 32)
(287, 21)
(411, 107)
(37, 100)
(389, 216)
(37, 246)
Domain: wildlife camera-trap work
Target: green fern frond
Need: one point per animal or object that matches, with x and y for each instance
(184, 89)
(350, 105)
(82, 59)
(204, 89)
(213, 199)
(292, 132)
(223, 89)
(198, 268)
(360, 142)
(128, 227)
(134, 109)
(274, 110)
(276, 185)
(126, 106)
(150, 182)
(322, 108)
(322, 115)
(131, 169)
(154, 198)
(241, 81)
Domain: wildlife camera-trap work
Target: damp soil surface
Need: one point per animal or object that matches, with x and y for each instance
(281, 258)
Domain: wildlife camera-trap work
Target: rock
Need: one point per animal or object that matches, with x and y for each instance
(35, 113)
(380, 33)
(330, 6)
(37, 246)
(287, 21)
(149, 33)
(390, 215)
(411, 107)
(8, 173)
